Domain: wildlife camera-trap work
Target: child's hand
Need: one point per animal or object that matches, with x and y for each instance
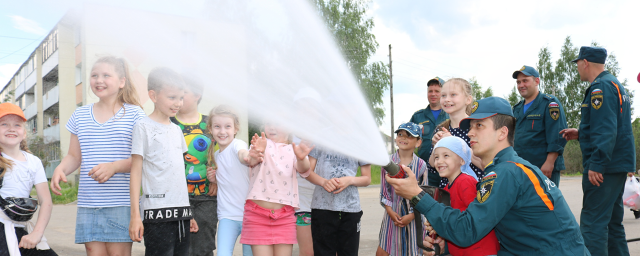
(301, 150)
(136, 230)
(254, 154)
(58, 175)
(342, 183)
(439, 135)
(328, 186)
(395, 217)
(259, 142)
(213, 189)
(429, 228)
(193, 226)
(211, 174)
(30, 241)
(102, 172)
(406, 220)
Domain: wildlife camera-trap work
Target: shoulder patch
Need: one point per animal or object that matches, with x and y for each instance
(596, 91)
(484, 191)
(474, 107)
(596, 101)
(554, 110)
(488, 176)
(553, 105)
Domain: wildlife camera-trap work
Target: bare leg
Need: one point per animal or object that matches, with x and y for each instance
(305, 241)
(262, 250)
(282, 249)
(381, 252)
(95, 248)
(119, 249)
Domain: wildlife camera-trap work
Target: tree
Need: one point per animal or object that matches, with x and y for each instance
(547, 76)
(348, 22)
(513, 97)
(488, 93)
(47, 152)
(7, 98)
(478, 94)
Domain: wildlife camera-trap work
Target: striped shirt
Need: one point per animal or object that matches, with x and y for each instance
(104, 143)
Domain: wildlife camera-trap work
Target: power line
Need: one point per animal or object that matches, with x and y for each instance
(23, 38)
(17, 50)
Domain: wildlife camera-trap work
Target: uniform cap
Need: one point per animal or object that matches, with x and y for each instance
(437, 80)
(592, 54)
(527, 71)
(11, 109)
(412, 128)
(486, 108)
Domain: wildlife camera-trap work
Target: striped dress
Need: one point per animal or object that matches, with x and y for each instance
(395, 240)
(104, 143)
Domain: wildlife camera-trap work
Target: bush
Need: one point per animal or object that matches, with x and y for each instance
(572, 158)
(375, 174)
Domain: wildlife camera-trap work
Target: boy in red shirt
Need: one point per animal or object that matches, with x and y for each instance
(450, 155)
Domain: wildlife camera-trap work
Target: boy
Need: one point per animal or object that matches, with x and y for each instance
(335, 208)
(202, 192)
(157, 163)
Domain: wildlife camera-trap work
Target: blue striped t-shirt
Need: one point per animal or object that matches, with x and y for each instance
(104, 143)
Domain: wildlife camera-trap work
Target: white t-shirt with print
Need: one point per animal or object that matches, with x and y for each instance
(233, 181)
(161, 147)
(19, 180)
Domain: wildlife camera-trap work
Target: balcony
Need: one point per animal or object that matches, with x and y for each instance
(52, 134)
(30, 81)
(19, 90)
(51, 63)
(31, 110)
(51, 97)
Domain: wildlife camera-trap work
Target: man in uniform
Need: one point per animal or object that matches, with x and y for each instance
(539, 120)
(608, 154)
(429, 118)
(527, 210)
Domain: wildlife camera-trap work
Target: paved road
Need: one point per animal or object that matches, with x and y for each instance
(60, 231)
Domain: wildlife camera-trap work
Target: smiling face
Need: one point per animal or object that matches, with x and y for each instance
(167, 100)
(527, 86)
(447, 163)
(12, 131)
(223, 129)
(104, 81)
(405, 141)
(453, 98)
(276, 133)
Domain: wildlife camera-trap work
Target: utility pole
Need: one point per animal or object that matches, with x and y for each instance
(393, 148)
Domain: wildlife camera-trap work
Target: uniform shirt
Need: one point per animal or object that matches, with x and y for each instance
(425, 118)
(527, 210)
(606, 138)
(462, 194)
(104, 143)
(538, 130)
(163, 184)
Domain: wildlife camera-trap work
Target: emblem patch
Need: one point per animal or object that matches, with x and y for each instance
(553, 105)
(484, 191)
(596, 91)
(523, 67)
(474, 107)
(596, 101)
(491, 175)
(554, 113)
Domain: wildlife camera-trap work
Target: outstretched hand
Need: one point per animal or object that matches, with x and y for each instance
(302, 150)
(570, 134)
(259, 142)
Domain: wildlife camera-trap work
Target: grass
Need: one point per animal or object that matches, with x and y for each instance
(573, 174)
(69, 194)
(375, 174)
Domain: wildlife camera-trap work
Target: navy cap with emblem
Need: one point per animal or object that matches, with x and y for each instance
(592, 54)
(527, 71)
(412, 128)
(486, 108)
(437, 80)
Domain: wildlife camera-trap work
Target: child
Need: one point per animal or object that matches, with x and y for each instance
(101, 146)
(269, 220)
(456, 100)
(157, 164)
(451, 154)
(20, 172)
(231, 176)
(397, 232)
(335, 209)
(201, 192)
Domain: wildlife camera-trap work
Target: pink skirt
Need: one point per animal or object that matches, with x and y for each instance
(262, 226)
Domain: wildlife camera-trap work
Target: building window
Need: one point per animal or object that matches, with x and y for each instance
(50, 45)
(32, 125)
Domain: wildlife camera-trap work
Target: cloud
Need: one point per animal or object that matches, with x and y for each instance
(27, 25)
(6, 72)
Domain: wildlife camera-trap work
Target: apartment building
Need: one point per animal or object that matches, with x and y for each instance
(53, 81)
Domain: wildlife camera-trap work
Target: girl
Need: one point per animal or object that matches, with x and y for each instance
(450, 156)
(269, 221)
(101, 146)
(456, 100)
(20, 172)
(397, 232)
(231, 176)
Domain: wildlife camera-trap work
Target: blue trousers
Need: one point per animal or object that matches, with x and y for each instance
(228, 233)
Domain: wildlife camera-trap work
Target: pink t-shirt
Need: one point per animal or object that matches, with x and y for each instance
(274, 180)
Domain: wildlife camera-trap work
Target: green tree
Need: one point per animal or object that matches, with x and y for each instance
(47, 152)
(352, 28)
(478, 94)
(513, 97)
(547, 76)
(7, 98)
(488, 93)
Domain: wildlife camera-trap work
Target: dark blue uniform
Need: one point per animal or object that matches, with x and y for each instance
(425, 118)
(538, 132)
(527, 210)
(608, 147)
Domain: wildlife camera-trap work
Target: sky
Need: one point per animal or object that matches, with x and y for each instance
(484, 39)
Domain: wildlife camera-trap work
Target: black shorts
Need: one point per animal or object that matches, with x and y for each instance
(169, 238)
(20, 232)
(335, 232)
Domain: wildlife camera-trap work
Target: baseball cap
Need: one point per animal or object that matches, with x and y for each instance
(412, 128)
(592, 54)
(437, 80)
(527, 71)
(11, 109)
(486, 108)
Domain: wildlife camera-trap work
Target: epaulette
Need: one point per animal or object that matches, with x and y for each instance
(419, 111)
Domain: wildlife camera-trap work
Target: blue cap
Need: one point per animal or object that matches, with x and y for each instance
(592, 54)
(412, 128)
(437, 80)
(527, 71)
(486, 108)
